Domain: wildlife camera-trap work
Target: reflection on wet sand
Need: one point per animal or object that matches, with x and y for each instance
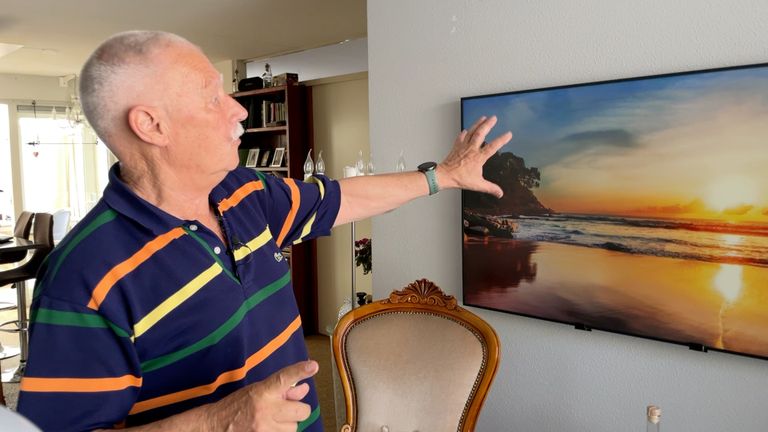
(717, 305)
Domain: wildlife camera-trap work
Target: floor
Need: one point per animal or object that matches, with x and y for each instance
(319, 347)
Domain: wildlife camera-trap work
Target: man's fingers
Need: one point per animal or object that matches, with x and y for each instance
(292, 412)
(297, 393)
(478, 135)
(493, 189)
(474, 126)
(282, 380)
(497, 143)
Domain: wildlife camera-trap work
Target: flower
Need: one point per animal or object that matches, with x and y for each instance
(363, 254)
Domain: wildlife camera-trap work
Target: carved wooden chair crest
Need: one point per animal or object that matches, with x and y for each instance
(414, 362)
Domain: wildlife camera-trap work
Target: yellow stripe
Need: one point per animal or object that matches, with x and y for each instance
(319, 184)
(252, 245)
(176, 299)
(78, 385)
(119, 271)
(307, 229)
(308, 226)
(227, 377)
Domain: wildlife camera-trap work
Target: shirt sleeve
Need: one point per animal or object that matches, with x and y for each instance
(82, 373)
(302, 210)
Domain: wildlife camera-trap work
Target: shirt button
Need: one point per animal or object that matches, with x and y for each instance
(217, 250)
(193, 227)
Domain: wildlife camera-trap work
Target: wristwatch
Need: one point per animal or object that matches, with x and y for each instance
(428, 168)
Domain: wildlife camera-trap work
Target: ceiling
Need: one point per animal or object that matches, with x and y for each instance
(58, 35)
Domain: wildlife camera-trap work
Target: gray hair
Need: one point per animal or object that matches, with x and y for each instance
(104, 70)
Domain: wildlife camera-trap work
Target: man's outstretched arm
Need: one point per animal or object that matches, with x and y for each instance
(363, 197)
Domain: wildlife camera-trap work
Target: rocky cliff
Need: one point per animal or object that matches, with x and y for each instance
(516, 180)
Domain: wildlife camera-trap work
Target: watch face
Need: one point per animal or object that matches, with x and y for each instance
(427, 166)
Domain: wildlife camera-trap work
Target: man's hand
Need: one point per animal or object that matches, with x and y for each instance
(363, 197)
(269, 405)
(463, 167)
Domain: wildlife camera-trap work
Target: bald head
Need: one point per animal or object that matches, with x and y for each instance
(111, 72)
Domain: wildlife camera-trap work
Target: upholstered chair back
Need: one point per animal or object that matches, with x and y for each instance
(414, 362)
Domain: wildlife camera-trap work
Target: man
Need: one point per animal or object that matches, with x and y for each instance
(169, 306)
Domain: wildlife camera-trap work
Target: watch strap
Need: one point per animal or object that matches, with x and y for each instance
(432, 181)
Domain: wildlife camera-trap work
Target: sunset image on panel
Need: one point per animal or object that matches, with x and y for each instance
(636, 206)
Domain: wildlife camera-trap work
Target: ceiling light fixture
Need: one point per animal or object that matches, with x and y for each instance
(74, 111)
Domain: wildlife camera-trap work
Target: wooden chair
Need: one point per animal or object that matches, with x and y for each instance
(22, 229)
(414, 362)
(42, 234)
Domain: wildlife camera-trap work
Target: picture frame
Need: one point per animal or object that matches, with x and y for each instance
(253, 158)
(625, 210)
(277, 159)
(265, 158)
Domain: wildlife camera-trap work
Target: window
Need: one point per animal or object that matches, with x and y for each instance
(61, 166)
(6, 183)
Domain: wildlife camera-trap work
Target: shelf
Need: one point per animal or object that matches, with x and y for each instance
(267, 129)
(268, 169)
(262, 91)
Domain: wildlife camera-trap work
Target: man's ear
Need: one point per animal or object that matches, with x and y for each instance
(149, 125)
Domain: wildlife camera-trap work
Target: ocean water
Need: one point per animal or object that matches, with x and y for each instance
(711, 241)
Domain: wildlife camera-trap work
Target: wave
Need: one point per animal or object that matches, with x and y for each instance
(648, 237)
(721, 227)
(714, 256)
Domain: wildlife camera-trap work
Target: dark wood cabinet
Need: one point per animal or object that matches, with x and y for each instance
(279, 121)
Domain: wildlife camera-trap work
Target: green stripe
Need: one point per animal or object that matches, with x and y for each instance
(223, 330)
(211, 253)
(74, 319)
(311, 419)
(263, 179)
(100, 220)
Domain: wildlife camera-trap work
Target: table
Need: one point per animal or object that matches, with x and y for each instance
(18, 244)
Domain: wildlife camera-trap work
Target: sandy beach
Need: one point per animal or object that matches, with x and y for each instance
(721, 306)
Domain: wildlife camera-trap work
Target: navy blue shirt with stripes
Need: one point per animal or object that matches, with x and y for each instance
(138, 315)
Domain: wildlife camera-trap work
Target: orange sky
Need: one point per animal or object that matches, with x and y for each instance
(683, 171)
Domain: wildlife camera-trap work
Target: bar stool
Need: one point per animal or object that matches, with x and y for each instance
(22, 229)
(43, 236)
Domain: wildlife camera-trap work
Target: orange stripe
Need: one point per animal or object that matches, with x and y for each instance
(296, 201)
(224, 378)
(239, 194)
(79, 385)
(127, 266)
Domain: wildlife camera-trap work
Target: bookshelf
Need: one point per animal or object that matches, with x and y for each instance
(278, 117)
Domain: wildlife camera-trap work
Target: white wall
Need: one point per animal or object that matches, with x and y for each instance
(340, 120)
(226, 70)
(28, 87)
(424, 56)
(324, 62)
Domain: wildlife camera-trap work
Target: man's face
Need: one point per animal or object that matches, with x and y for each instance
(204, 121)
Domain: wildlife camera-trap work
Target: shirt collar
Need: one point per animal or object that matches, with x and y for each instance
(124, 201)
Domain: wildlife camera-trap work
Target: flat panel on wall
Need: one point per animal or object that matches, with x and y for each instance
(636, 206)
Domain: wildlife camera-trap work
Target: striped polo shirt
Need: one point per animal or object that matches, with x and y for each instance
(138, 315)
